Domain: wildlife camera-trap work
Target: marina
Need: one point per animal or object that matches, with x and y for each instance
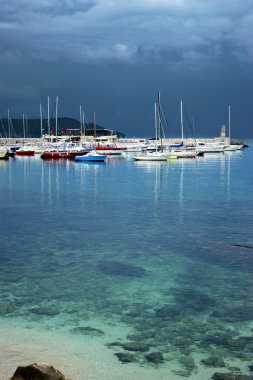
(142, 148)
(77, 145)
(150, 269)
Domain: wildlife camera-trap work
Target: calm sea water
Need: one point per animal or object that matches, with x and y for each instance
(160, 254)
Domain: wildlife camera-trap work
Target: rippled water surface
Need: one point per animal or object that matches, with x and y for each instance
(158, 254)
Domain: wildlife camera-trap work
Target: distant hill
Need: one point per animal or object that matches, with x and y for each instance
(66, 126)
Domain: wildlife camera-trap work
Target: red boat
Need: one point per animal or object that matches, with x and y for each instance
(57, 154)
(54, 154)
(25, 152)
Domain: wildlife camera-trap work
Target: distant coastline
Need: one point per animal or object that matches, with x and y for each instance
(15, 127)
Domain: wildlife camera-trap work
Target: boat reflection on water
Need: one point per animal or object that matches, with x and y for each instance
(183, 176)
(91, 163)
(57, 176)
(3, 163)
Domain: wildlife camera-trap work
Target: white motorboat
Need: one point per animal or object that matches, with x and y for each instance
(203, 147)
(230, 148)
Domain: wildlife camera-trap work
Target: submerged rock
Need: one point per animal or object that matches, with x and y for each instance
(213, 361)
(87, 330)
(193, 300)
(125, 357)
(135, 346)
(155, 357)
(181, 342)
(230, 376)
(242, 313)
(169, 312)
(116, 268)
(44, 311)
(114, 344)
(38, 371)
(188, 363)
(217, 339)
(181, 373)
(233, 369)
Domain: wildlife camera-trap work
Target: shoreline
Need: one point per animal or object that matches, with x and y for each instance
(79, 358)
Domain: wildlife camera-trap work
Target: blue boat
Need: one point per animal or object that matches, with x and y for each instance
(92, 156)
(177, 145)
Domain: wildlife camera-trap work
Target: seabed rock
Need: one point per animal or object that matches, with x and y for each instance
(38, 371)
(233, 369)
(125, 357)
(168, 312)
(87, 330)
(181, 373)
(230, 376)
(135, 346)
(44, 311)
(213, 361)
(188, 363)
(155, 357)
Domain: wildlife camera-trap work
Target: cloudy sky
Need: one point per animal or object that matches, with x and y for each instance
(112, 56)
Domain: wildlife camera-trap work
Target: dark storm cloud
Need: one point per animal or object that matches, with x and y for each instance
(181, 32)
(113, 56)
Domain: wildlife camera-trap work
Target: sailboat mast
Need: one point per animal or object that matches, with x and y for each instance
(156, 127)
(41, 129)
(83, 125)
(56, 118)
(24, 126)
(9, 126)
(182, 122)
(229, 123)
(48, 116)
(81, 119)
(94, 117)
(159, 119)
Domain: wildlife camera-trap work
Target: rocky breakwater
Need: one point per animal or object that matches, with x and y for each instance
(38, 371)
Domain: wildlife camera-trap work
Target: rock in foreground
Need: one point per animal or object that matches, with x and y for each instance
(38, 371)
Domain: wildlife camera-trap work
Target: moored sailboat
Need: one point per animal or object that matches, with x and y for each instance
(231, 147)
(180, 151)
(159, 154)
(25, 150)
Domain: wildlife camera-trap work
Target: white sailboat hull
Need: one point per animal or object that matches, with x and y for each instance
(154, 156)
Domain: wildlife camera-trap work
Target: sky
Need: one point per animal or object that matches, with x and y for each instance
(113, 56)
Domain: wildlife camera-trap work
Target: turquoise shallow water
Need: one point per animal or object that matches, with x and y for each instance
(159, 254)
